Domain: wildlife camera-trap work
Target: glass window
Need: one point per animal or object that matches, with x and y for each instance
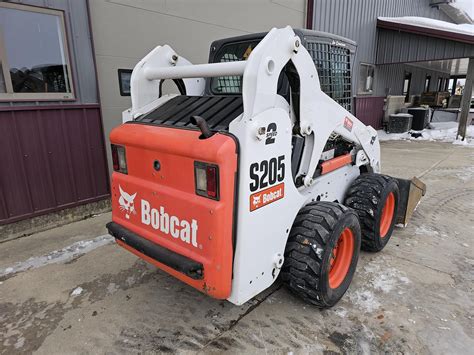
(440, 84)
(33, 54)
(366, 78)
(406, 86)
(231, 53)
(124, 76)
(427, 83)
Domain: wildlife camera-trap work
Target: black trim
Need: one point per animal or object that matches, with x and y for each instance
(178, 262)
(120, 72)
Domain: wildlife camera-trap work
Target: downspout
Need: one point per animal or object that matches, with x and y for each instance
(309, 14)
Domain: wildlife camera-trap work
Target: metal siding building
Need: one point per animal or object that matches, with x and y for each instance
(357, 20)
(53, 154)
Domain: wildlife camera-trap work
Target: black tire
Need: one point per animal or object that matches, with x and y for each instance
(313, 237)
(367, 196)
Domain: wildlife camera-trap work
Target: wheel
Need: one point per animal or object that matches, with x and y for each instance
(375, 199)
(322, 252)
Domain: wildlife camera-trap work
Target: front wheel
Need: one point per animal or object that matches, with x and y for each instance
(375, 198)
(322, 252)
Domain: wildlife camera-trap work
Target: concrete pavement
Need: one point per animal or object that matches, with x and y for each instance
(72, 290)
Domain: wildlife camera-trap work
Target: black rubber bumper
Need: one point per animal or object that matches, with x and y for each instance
(176, 261)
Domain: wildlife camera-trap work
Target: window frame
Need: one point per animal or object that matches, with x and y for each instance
(120, 72)
(10, 95)
(367, 66)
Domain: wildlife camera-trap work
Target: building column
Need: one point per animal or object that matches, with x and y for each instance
(466, 101)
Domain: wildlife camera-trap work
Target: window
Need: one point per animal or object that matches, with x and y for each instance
(427, 83)
(124, 76)
(451, 85)
(440, 84)
(34, 61)
(366, 78)
(231, 52)
(406, 86)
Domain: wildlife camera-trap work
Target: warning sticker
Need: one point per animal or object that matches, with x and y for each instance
(267, 196)
(348, 123)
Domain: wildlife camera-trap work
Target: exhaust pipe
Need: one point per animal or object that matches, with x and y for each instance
(203, 126)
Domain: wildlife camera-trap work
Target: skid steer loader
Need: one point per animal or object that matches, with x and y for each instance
(253, 171)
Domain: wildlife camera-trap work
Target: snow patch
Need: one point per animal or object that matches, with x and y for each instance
(58, 256)
(341, 312)
(385, 278)
(466, 174)
(438, 131)
(19, 343)
(426, 231)
(365, 299)
(77, 291)
(112, 288)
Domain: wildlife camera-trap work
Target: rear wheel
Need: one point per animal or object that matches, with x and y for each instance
(322, 253)
(375, 199)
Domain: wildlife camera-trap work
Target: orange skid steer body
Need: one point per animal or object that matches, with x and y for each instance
(244, 177)
(165, 221)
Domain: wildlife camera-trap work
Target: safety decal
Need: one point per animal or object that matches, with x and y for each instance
(348, 124)
(267, 196)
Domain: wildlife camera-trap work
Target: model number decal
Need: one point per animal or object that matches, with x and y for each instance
(267, 173)
(271, 133)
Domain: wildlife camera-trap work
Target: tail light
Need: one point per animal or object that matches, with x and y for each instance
(119, 159)
(206, 180)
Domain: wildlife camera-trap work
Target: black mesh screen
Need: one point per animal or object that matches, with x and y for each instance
(333, 64)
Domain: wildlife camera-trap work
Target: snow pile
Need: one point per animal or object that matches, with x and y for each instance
(77, 291)
(58, 256)
(466, 29)
(438, 131)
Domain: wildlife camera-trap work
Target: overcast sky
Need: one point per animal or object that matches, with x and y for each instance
(466, 5)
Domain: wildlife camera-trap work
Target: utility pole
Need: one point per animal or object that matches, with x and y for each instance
(466, 101)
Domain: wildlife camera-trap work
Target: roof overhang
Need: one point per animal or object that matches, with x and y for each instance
(425, 31)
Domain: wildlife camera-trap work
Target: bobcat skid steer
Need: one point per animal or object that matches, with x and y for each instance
(227, 192)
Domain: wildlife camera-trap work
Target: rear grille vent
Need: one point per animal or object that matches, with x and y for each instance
(218, 111)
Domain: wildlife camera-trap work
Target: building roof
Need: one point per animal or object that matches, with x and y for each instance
(429, 27)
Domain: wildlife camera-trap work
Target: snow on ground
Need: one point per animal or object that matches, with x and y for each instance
(58, 256)
(438, 131)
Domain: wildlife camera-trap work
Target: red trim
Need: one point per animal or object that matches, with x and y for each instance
(309, 14)
(425, 31)
(48, 107)
(335, 163)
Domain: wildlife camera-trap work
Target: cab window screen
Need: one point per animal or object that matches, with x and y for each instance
(231, 52)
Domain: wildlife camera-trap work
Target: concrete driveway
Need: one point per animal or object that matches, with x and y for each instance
(72, 290)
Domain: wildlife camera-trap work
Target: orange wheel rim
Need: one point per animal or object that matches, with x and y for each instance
(387, 215)
(341, 258)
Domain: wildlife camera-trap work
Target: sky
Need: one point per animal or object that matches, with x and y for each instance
(466, 5)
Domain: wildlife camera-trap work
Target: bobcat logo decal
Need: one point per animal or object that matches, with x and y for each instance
(126, 203)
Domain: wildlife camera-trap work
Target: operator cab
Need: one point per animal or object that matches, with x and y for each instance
(332, 55)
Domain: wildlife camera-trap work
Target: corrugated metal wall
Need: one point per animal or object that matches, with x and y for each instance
(51, 159)
(393, 78)
(401, 47)
(357, 20)
(52, 153)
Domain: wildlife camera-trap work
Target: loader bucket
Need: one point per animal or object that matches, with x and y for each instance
(411, 192)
